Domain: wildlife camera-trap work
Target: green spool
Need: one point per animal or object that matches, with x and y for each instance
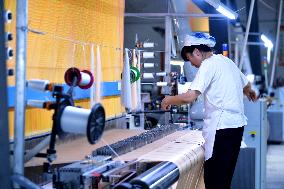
(134, 74)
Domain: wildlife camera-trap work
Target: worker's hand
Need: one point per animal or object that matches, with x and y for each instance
(166, 103)
(251, 95)
(249, 92)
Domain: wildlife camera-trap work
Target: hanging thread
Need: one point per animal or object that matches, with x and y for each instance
(92, 62)
(98, 76)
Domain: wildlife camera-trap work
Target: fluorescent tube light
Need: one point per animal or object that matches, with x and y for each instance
(226, 12)
(267, 42)
(223, 9)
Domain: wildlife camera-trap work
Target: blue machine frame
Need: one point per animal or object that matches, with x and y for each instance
(253, 158)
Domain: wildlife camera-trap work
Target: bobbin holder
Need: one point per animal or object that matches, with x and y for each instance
(62, 100)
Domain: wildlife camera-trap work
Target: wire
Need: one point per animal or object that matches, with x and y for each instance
(240, 9)
(149, 18)
(84, 43)
(39, 32)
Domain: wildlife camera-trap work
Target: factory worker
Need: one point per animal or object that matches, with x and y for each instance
(223, 86)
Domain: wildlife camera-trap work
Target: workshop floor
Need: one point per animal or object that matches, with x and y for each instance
(275, 166)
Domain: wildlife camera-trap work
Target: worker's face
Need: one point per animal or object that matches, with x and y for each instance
(195, 58)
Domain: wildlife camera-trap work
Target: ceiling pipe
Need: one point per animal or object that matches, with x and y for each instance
(276, 44)
(267, 5)
(247, 33)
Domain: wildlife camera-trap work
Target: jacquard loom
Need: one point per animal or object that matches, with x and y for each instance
(164, 157)
(168, 155)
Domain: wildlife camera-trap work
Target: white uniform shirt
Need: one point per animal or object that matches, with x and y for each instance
(222, 83)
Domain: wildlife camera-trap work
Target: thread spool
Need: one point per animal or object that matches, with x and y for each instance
(83, 121)
(148, 45)
(40, 104)
(161, 74)
(225, 49)
(148, 75)
(148, 55)
(36, 103)
(149, 65)
(85, 78)
(161, 84)
(37, 84)
(134, 74)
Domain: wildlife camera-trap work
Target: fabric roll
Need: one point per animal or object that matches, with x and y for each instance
(184, 149)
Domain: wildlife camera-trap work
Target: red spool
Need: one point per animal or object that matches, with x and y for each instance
(73, 72)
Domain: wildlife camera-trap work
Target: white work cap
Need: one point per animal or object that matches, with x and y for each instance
(199, 38)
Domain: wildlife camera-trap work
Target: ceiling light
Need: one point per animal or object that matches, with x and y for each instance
(223, 9)
(267, 42)
(226, 12)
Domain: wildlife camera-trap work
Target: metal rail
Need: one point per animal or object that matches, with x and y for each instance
(4, 126)
(276, 44)
(20, 97)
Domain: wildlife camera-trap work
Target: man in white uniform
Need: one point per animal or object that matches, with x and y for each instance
(224, 87)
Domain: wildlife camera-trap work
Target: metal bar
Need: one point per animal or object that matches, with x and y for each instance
(140, 103)
(152, 111)
(139, 80)
(24, 182)
(250, 33)
(236, 51)
(248, 43)
(118, 116)
(266, 78)
(20, 99)
(267, 5)
(168, 40)
(229, 38)
(4, 125)
(148, 83)
(39, 147)
(172, 15)
(276, 44)
(229, 35)
(247, 33)
(163, 175)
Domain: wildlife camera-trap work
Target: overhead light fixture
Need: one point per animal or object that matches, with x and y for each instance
(267, 42)
(269, 45)
(223, 9)
(227, 12)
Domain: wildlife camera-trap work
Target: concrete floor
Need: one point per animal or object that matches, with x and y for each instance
(275, 166)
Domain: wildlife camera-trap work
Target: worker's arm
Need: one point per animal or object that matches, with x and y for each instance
(249, 92)
(180, 99)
